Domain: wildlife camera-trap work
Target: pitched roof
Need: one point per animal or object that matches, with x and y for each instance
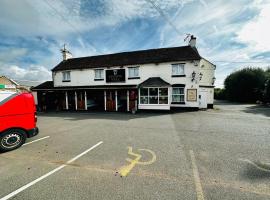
(154, 82)
(45, 85)
(131, 58)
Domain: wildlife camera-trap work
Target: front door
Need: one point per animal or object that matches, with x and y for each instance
(203, 99)
(110, 101)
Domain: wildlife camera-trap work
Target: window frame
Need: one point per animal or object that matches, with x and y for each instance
(178, 74)
(183, 95)
(158, 96)
(66, 78)
(101, 78)
(134, 77)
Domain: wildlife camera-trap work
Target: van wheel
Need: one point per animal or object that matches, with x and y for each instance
(12, 139)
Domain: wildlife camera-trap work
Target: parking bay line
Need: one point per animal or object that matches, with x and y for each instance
(197, 180)
(36, 140)
(12, 194)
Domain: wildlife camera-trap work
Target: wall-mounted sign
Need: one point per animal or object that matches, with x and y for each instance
(3, 86)
(115, 75)
(191, 94)
(10, 86)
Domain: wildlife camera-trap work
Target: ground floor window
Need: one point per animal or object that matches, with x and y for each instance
(178, 95)
(153, 95)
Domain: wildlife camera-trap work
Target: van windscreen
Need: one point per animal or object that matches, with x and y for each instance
(5, 96)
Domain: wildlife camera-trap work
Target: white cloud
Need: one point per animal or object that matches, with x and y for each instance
(9, 54)
(32, 73)
(256, 32)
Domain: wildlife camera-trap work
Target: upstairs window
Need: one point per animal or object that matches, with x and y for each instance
(66, 76)
(99, 74)
(133, 72)
(178, 95)
(178, 70)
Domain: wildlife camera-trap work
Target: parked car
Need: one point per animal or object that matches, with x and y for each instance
(17, 119)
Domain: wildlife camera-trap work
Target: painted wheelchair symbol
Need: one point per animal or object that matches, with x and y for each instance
(136, 161)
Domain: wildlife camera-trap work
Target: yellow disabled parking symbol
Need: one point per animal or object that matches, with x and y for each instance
(136, 161)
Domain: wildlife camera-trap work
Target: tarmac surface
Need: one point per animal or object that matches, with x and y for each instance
(212, 154)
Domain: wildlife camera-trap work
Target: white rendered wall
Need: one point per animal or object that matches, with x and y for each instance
(86, 77)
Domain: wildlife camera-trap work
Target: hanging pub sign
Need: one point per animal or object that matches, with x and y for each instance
(115, 75)
(191, 94)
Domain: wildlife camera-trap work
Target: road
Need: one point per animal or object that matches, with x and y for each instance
(181, 155)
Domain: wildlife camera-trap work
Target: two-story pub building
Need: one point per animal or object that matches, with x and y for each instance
(158, 79)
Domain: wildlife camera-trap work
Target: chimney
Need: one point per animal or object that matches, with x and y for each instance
(192, 41)
(66, 53)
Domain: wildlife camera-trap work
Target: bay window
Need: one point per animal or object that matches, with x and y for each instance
(153, 95)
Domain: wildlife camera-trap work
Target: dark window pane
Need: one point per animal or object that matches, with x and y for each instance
(153, 100)
(163, 91)
(153, 91)
(163, 100)
(144, 100)
(144, 91)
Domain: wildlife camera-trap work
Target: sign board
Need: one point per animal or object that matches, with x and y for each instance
(10, 86)
(3, 86)
(115, 75)
(191, 94)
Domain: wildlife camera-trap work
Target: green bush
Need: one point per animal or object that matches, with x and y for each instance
(219, 94)
(246, 85)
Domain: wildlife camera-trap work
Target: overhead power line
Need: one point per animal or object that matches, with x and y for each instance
(164, 16)
(70, 24)
(247, 62)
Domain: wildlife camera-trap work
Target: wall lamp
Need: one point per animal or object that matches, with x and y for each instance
(193, 75)
(213, 80)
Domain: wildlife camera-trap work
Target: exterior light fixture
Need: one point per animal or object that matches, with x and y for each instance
(193, 76)
(200, 76)
(213, 80)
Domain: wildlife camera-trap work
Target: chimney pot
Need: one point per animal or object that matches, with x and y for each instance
(192, 41)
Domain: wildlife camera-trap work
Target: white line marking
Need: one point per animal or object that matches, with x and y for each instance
(36, 140)
(12, 194)
(197, 180)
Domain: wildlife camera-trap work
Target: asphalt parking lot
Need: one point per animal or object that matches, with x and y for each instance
(182, 155)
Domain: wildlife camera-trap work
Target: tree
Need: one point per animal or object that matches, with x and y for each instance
(219, 93)
(267, 86)
(245, 85)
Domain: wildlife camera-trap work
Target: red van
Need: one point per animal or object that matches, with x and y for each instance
(17, 119)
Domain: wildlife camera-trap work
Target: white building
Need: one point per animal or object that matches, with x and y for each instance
(158, 79)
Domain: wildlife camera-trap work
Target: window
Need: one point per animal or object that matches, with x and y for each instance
(163, 95)
(144, 95)
(66, 76)
(99, 74)
(178, 95)
(133, 72)
(178, 70)
(154, 96)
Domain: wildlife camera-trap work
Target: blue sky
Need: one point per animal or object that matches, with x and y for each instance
(232, 34)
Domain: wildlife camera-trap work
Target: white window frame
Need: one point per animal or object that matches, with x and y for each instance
(183, 95)
(134, 75)
(101, 75)
(66, 76)
(148, 96)
(178, 71)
